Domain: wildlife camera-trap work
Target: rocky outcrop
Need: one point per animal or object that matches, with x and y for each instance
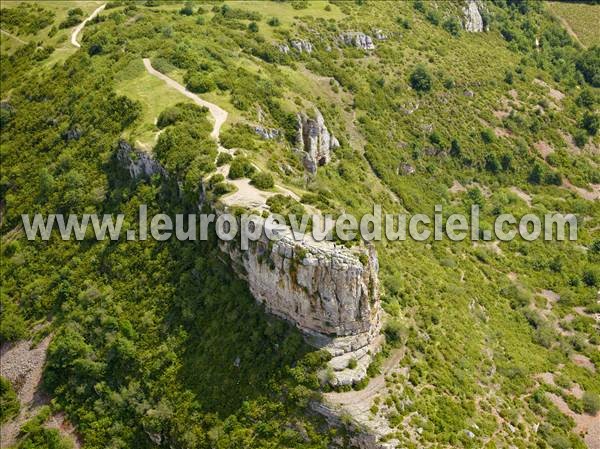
(74, 133)
(139, 163)
(379, 35)
(314, 140)
(283, 48)
(358, 40)
(267, 133)
(330, 293)
(473, 19)
(301, 46)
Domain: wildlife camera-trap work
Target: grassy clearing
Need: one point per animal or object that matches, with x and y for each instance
(154, 95)
(582, 18)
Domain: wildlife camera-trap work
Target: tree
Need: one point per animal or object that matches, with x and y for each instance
(590, 123)
(589, 65)
(253, 27)
(420, 79)
(187, 10)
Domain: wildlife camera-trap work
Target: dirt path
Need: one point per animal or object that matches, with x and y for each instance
(219, 115)
(12, 36)
(79, 27)
(23, 365)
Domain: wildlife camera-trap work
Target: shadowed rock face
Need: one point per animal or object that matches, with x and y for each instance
(315, 140)
(138, 162)
(473, 19)
(330, 293)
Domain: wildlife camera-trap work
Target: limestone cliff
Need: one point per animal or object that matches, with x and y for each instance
(329, 292)
(473, 19)
(315, 140)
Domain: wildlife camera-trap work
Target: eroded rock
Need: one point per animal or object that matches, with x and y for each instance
(358, 40)
(301, 45)
(139, 163)
(315, 140)
(473, 19)
(330, 293)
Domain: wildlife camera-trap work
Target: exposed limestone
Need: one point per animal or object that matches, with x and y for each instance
(139, 163)
(379, 35)
(74, 133)
(473, 19)
(329, 292)
(267, 133)
(301, 46)
(358, 40)
(406, 169)
(315, 140)
(283, 48)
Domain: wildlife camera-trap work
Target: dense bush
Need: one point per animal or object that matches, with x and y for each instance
(591, 403)
(263, 180)
(420, 79)
(240, 167)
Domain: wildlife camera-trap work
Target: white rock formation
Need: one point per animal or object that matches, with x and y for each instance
(315, 140)
(473, 19)
(283, 48)
(330, 293)
(301, 45)
(139, 163)
(358, 40)
(267, 133)
(379, 35)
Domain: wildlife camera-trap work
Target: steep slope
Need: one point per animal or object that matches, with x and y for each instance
(480, 326)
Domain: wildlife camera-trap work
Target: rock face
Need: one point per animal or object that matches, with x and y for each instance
(283, 48)
(267, 133)
(138, 162)
(315, 140)
(358, 40)
(301, 45)
(330, 293)
(473, 19)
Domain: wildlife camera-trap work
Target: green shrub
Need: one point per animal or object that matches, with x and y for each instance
(9, 404)
(591, 403)
(274, 22)
(453, 26)
(420, 79)
(591, 123)
(200, 83)
(223, 158)
(263, 181)
(240, 168)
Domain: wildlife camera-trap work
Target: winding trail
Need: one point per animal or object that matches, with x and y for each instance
(79, 27)
(219, 115)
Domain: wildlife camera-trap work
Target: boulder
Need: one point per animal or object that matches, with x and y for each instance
(358, 40)
(301, 46)
(267, 133)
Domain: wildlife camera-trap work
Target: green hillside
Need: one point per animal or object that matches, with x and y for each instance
(160, 344)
